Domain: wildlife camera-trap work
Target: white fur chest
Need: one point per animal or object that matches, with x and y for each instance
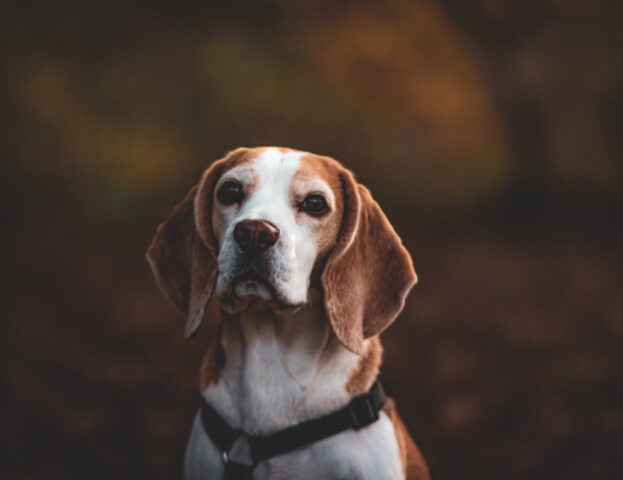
(279, 371)
(277, 374)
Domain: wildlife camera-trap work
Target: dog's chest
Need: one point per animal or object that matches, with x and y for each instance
(272, 380)
(276, 375)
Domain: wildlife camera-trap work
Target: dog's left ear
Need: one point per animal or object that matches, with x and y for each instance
(369, 272)
(183, 253)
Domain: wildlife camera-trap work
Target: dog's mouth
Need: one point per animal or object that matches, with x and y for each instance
(252, 283)
(251, 288)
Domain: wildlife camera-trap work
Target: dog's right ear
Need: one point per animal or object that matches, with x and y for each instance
(183, 253)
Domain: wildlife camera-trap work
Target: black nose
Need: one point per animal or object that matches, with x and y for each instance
(255, 236)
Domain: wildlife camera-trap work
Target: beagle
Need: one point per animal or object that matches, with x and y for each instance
(309, 272)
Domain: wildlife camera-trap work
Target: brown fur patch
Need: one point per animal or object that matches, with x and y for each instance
(213, 362)
(413, 462)
(362, 377)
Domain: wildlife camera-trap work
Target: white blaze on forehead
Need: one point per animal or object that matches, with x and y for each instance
(270, 200)
(277, 168)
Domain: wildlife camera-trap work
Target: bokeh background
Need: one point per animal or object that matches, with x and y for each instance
(491, 132)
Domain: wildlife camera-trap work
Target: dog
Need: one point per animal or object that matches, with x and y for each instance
(309, 272)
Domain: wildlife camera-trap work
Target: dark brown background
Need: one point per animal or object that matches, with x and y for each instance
(489, 131)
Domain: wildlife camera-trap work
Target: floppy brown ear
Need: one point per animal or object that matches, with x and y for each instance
(369, 272)
(183, 253)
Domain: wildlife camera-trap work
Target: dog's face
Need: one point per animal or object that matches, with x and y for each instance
(274, 214)
(263, 223)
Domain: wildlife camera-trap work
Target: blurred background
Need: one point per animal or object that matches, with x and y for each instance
(491, 132)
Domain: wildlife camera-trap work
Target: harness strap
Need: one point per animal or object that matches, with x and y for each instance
(241, 452)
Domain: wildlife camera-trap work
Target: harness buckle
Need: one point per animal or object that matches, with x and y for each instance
(238, 459)
(363, 413)
(239, 452)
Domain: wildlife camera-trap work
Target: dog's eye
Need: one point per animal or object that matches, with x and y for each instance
(315, 204)
(230, 192)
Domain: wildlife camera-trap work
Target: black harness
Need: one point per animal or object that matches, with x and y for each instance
(241, 452)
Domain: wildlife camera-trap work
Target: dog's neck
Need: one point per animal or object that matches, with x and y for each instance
(269, 370)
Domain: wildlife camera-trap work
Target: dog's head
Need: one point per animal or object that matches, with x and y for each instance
(265, 224)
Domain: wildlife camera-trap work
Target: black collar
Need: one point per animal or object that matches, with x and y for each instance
(241, 452)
